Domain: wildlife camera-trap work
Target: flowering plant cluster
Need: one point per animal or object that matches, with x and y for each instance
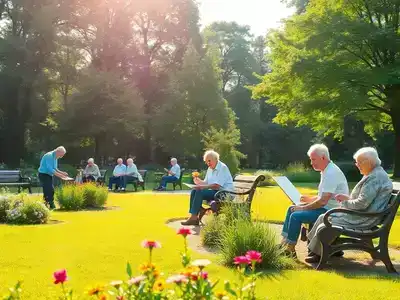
(192, 282)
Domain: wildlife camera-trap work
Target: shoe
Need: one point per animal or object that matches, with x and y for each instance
(312, 259)
(123, 189)
(190, 222)
(338, 254)
(109, 190)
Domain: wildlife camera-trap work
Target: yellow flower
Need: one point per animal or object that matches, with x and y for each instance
(95, 290)
(159, 286)
(221, 295)
(149, 269)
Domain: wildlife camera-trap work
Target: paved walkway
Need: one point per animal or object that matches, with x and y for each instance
(352, 262)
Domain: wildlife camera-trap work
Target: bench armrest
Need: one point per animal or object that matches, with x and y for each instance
(26, 179)
(354, 212)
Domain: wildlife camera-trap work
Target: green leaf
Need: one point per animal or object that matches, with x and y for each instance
(129, 270)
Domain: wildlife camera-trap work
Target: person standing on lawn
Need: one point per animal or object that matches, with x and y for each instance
(49, 168)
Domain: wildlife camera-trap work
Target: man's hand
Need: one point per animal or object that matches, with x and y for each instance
(197, 180)
(296, 208)
(341, 197)
(64, 173)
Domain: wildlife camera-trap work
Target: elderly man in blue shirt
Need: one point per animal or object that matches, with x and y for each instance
(49, 168)
(118, 176)
(173, 175)
(218, 177)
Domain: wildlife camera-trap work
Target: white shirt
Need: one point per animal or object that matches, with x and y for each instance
(332, 181)
(221, 176)
(132, 170)
(176, 169)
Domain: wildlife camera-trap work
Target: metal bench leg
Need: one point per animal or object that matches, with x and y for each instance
(325, 249)
(384, 255)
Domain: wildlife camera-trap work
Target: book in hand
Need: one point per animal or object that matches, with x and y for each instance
(192, 186)
(67, 178)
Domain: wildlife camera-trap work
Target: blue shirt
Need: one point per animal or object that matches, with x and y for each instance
(176, 169)
(120, 170)
(221, 176)
(48, 163)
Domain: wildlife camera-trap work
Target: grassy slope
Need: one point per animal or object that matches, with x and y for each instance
(94, 248)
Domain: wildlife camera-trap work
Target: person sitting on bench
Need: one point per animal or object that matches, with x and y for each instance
(132, 173)
(371, 194)
(91, 172)
(118, 176)
(218, 177)
(173, 175)
(332, 182)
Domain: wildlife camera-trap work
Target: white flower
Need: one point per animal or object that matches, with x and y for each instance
(201, 263)
(177, 279)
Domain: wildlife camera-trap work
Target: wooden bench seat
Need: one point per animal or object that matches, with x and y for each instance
(10, 178)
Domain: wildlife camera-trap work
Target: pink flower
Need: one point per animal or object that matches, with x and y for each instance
(116, 283)
(185, 231)
(150, 244)
(204, 275)
(178, 279)
(136, 280)
(241, 260)
(60, 276)
(254, 256)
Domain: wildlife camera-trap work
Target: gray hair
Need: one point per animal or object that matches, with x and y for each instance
(174, 160)
(319, 149)
(90, 160)
(120, 159)
(369, 153)
(129, 160)
(61, 149)
(211, 153)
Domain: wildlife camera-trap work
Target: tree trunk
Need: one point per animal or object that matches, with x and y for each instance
(396, 126)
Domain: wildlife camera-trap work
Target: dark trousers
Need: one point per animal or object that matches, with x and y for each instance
(48, 189)
(129, 179)
(118, 181)
(167, 179)
(197, 197)
(89, 178)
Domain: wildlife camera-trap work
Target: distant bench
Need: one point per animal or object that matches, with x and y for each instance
(10, 178)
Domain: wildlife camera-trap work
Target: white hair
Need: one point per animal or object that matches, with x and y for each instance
(369, 153)
(211, 153)
(174, 160)
(90, 160)
(320, 149)
(129, 160)
(61, 149)
(120, 159)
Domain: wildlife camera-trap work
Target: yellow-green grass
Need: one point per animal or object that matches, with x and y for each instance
(94, 247)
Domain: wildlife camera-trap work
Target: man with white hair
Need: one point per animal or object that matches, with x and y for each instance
(218, 177)
(370, 195)
(91, 172)
(173, 175)
(118, 176)
(49, 168)
(132, 173)
(332, 182)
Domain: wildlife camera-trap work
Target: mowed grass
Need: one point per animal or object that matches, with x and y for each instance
(94, 247)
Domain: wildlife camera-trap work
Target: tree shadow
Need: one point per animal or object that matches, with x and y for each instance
(105, 208)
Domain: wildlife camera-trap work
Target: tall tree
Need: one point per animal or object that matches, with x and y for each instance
(339, 58)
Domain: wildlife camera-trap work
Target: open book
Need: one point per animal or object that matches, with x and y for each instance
(288, 188)
(67, 178)
(191, 186)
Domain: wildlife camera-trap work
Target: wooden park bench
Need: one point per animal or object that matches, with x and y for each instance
(244, 189)
(361, 239)
(179, 182)
(10, 178)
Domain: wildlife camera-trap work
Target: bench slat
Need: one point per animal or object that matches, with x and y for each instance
(242, 185)
(246, 178)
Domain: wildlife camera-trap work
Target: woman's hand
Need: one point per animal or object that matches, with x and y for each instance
(341, 197)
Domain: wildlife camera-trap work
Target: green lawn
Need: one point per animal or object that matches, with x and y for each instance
(94, 247)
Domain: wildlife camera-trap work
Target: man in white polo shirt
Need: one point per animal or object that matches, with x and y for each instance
(332, 182)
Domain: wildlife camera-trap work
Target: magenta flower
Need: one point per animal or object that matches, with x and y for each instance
(254, 256)
(60, 276)
(150, 244)
(185, 231)
(241, 260)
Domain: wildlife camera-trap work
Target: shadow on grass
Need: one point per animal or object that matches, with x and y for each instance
(50, 222)
(89, 209)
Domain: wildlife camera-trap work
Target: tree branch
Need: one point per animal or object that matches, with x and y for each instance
(379, 108)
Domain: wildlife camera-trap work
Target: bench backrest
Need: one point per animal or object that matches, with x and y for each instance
(10, 176)
(247, 184)
(143, 173)
(182, 171)
(103, 172)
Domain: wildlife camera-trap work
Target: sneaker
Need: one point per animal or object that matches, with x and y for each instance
(312, 259)
(109, 190)
(123, 189)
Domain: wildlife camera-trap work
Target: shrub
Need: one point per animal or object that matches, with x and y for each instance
(70, 197)
(28, 212)
(243, 234)
(232, 233)
(19, 209)
(350, 170)
(94, 196)
(5, 205)
(268, 177)
(77, 197)
(297, 172)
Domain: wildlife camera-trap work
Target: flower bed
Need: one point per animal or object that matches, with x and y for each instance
(22, 210)
(192, 282)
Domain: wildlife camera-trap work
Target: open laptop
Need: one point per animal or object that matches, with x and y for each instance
(288, 188)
